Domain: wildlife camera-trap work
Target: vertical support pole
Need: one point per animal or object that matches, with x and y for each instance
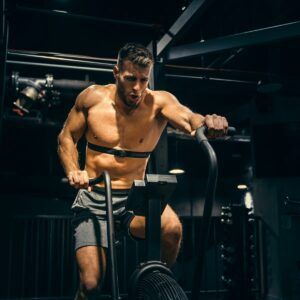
(158, 164)
(112, 256)
(3, 57)
(153, 229)
(159, 158)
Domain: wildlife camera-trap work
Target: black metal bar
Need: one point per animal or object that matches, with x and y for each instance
(2, 22)
(111, 238)
(137, 254)
(221, 72)
(10, 258)
(62, 55)
(207, 210)
(181, 25)
(60, 59)
(50, 258)
(65, 14)
(43, 250)
(32, 250)
(25, 63)
(124, 256)
(3, 57)
(24, 257)
(159, 158)
(153, 224)
(224, 59)
(240, 40)
(62, 265)
(152, 47)
(37, 257)
(250, 84)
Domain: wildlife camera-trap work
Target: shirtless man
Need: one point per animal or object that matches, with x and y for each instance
(126, 116)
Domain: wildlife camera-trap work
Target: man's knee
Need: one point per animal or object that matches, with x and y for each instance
(172, 232)
(90, 285)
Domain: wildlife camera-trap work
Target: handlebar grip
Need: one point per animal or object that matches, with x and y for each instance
(231, 130)
(92, 181)
(201, 133)
(64, 180)
(96, 180)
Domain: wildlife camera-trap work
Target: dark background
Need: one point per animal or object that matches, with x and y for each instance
(256, 88)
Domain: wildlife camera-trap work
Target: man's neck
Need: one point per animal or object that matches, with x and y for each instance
(121, 106)
(120, 103)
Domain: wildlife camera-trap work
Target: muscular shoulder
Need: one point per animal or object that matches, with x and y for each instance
(91, 96)
(163, 98)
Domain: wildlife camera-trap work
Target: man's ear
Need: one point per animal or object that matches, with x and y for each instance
(116, 71)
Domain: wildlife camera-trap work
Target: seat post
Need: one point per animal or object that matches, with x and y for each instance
(153, 227)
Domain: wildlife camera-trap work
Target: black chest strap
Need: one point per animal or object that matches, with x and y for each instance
(118, 152)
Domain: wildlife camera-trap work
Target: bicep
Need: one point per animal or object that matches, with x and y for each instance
(75, 124)
(177, 114)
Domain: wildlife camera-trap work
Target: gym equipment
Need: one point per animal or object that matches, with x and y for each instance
(208, 205)
(153, 279)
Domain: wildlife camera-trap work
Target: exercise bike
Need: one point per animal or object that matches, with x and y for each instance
(152, 279)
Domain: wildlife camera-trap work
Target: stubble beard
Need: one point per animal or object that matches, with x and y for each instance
(123, 98)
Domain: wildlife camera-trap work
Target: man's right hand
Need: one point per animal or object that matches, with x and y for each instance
(79, 179)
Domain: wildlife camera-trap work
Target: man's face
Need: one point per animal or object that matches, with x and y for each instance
(131, 82)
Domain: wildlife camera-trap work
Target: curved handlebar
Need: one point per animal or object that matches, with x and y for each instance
(201, 133)
(96, 180)
(110, 231)
(208, 205)
(92, 181)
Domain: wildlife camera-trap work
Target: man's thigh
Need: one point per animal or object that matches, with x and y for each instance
(168, 218)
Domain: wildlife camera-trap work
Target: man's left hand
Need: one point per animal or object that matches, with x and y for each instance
(216, 126)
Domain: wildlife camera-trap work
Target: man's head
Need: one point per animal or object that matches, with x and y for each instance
(138, 54)
(132, 73)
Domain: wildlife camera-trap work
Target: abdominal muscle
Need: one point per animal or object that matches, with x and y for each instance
(122, 170)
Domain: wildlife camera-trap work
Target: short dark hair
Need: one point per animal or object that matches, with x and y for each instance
(136, 53)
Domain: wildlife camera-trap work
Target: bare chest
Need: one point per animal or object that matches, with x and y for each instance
(108, 127)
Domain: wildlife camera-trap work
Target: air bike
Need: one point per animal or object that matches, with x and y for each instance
(152, 279)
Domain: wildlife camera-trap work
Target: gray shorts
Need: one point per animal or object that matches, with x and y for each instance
(89, 221)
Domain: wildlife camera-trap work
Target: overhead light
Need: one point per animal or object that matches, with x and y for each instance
(242, 187)
(176, 171)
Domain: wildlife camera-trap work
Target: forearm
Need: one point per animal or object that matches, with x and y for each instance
(68, 154)
(196, 121)
(182, 118)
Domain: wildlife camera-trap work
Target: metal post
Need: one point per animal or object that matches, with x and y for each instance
(160, 155)
(153, 229)
(112, 260)
(3, 57)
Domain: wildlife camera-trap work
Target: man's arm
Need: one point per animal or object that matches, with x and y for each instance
(181, 117)
(72, 131)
